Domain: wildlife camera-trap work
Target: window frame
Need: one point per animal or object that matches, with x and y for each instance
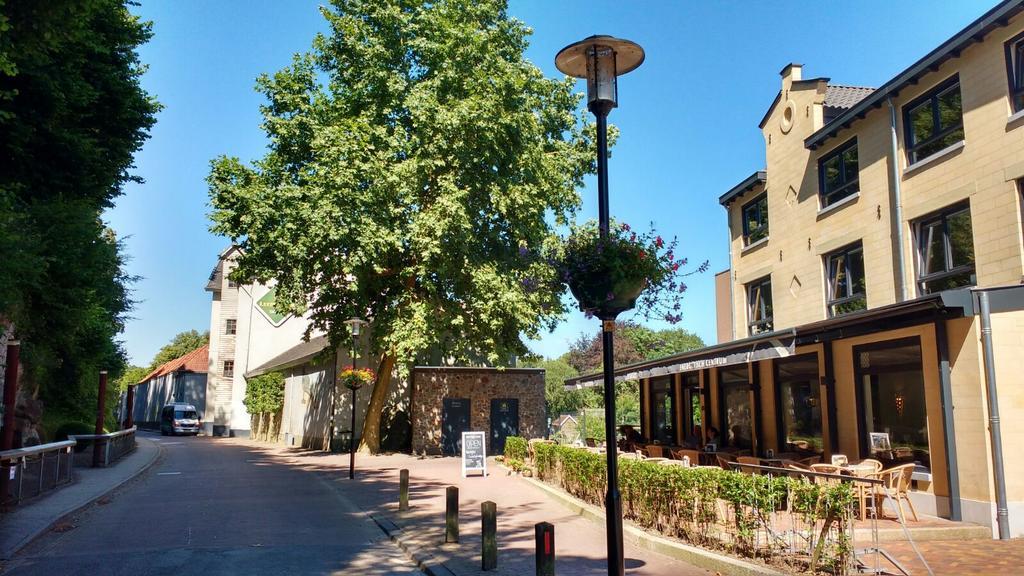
(842, 191)
(942, 216)
(931, 97)
(1015, 72)
(228, 369)
(778, 380)
(830, 279)
(230, 327)
(767, 322)
(747, 232)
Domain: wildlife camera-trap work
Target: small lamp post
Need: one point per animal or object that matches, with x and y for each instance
(354, 325)
(601, 60)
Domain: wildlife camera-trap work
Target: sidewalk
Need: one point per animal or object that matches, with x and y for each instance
(27, 521)
(579, 543)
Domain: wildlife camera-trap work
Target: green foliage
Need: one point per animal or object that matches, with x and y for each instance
(684, 502)
(72, 114)
(71, 428)
(418, 163)
(559, 400)
(132, 375)
(633, 343)
(516, 447)
(264, 394)
(181, 344)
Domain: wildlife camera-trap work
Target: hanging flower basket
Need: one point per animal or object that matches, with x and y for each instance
(356, 378)
(609, 275)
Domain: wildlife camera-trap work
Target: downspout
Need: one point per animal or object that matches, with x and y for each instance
(732, 289)
(1002, 514)
(897, 200)
(948, 431)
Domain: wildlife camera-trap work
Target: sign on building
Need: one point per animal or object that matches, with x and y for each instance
(474, 453)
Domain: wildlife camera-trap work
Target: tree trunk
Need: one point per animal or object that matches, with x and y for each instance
(370, 441)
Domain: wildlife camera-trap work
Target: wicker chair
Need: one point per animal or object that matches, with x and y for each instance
(897, 483)
(693, 455)
(871, 461)
(724, 459)
(591, 442)
(656, 451)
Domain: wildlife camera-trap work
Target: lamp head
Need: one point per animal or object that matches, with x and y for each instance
(355, 324)
(601, 60)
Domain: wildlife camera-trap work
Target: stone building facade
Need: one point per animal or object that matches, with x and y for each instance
(440, 393)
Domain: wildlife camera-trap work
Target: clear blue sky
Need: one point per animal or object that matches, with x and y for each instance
(688, 119)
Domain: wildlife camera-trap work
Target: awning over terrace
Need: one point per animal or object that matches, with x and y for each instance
(761, 347)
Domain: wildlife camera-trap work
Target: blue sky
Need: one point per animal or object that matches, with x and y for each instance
(688, 119)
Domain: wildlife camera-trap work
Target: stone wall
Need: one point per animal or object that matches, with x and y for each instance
(431, 385)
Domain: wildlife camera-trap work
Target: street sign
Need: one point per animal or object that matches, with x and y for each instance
(474, 453)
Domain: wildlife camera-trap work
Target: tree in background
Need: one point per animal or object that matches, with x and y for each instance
(181, 344)
(72, 115)
(418, 165)
(558, 399)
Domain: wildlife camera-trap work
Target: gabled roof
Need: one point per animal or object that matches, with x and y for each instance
(759, 177)
(839, 99)
(195, 361)
(974, 32)
(216, 274)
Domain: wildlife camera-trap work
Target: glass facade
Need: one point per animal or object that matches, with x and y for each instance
(737, 411)
(893, 411)
(663, 410)
(798, 400)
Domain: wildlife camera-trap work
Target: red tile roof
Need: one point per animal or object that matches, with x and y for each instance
(195, 361)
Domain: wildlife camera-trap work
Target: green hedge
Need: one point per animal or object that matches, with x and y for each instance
(516, 448)
(710, 507)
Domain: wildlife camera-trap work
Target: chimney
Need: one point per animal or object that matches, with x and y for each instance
(791, 72)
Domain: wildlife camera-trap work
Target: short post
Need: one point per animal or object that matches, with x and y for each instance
(545, 534)
(129, 406)
(489, 531)
(101, 401)
(451, 524)
(10, 399)
(403, 489)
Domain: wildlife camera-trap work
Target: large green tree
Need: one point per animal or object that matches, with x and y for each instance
(72, 115)
(181, 344)
(417, 165)
(633, 343)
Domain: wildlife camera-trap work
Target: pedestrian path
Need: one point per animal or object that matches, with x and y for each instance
(580, 544)
(28, 520)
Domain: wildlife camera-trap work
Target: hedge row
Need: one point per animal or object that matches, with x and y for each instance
(516, 448)
(706, 506)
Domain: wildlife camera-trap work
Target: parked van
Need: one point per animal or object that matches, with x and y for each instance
(179, 418)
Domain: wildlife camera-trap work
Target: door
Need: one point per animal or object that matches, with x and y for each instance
(454, 421)
(504, 422)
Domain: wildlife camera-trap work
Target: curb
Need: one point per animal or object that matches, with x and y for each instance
(74, 509)
(423, 559)
(679, 551)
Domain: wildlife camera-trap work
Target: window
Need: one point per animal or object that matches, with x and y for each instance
(738, 414)
(798, 397)
(934, 121)
(1015, 68)
(945, 246)
(232, 283)
(755, 220)
(229, 368)
(893, 410)
(759, 306)
(230, 326)
(839, 174)
(845, 270)
(663, 410)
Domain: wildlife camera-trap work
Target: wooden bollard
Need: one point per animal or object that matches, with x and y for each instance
(545, 534)
(451, 524)
(489, 531)
(403, 490)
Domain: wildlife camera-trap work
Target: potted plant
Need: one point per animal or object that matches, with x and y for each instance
(610, 275)
(355, 378)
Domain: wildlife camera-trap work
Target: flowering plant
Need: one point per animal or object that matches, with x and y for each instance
(611, 275)
(354, 378)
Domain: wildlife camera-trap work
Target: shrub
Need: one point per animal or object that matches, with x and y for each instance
(516, 448)
(71, 428)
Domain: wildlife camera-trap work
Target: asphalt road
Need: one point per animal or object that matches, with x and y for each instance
(212, 507)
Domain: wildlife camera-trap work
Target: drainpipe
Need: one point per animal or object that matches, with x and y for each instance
(897, 203)
(1002, 514)
(732, 289)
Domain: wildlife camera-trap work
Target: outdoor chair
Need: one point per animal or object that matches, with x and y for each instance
(655, 451)
(748, 460)
(724, 459)
(591, 442)
(896, 483)
(810, 460)
(693, 455)
(871, 461)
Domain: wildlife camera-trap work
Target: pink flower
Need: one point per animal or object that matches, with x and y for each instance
(659, 242)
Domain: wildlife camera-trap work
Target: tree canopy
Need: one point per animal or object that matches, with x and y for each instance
(72, 115)
(417, 165)
(633, 343)
(181, 344)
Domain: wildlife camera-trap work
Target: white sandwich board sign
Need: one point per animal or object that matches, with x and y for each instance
(474, 453)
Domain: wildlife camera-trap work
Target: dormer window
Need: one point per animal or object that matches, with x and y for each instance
(755, 220)
(839, 174)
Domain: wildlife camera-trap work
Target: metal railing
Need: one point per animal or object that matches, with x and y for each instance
(36, 469)
(113, 446)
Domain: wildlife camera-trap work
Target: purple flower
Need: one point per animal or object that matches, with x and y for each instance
(610, 296)
(523, 251)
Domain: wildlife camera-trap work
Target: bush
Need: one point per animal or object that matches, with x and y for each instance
(71, 428)
(516, 448)
(702, 505)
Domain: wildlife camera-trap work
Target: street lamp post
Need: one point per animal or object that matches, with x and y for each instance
(601, 59)
(354, 325)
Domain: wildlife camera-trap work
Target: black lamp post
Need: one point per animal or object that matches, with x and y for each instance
(354, 324)
(601, 59)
